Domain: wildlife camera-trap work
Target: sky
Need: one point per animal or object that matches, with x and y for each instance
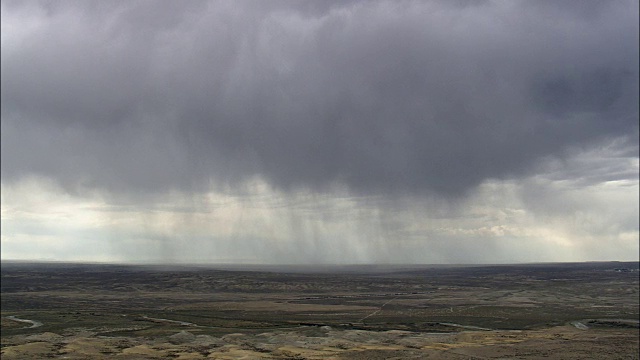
(320, 132)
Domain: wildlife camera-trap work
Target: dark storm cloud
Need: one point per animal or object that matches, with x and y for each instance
(383, 97)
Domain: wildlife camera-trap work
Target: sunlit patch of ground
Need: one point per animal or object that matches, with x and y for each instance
(32, 350)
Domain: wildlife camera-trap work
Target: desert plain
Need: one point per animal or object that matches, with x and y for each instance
(528, 311)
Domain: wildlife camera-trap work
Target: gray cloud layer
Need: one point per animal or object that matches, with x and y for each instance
(383, 97)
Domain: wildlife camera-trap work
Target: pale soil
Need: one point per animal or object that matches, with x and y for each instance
(563, 342)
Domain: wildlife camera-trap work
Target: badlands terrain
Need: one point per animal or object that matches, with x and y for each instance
(533, 311)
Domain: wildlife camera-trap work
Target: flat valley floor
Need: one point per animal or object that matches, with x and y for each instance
(534, 311)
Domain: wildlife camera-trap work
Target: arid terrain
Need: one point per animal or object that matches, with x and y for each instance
(89, 311)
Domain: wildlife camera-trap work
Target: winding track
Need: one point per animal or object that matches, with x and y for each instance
(34, 323)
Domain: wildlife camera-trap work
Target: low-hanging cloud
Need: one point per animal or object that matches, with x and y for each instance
(382, 97)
